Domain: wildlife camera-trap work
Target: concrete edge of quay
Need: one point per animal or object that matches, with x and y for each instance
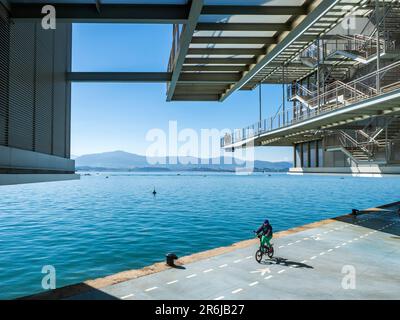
(75, 289)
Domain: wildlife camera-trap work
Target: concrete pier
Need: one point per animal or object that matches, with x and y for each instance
(349, 257)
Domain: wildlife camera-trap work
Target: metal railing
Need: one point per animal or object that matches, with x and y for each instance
(360, 45)
(350, 143)
(337, 96)
(299, 90)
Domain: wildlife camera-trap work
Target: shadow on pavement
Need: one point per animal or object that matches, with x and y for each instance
(376, 218)
(179, 267)
(80, 291)
(285, 262)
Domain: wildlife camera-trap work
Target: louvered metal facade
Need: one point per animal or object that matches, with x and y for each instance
(4, 53)
(34, 96)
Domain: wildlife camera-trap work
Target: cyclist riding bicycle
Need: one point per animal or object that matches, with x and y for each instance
(266, 234)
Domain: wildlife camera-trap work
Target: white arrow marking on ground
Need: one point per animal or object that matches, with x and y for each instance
(262, 271)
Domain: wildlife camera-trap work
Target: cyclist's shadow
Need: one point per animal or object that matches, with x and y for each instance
(285, 262)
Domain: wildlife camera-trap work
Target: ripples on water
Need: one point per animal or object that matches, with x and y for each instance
(96, 226)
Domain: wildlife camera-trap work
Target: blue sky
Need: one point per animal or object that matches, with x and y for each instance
(115, 116)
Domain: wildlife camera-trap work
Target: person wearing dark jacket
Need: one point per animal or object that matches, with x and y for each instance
(266, 233)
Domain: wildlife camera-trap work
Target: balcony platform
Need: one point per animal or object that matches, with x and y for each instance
(286, 135)
(373, 170)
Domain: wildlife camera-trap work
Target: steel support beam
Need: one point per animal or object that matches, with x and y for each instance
(220, 60)
(215, 68)
(196, 97)
(201, 88)
(291, 37)
(155, 77)
(243, 27)
(209, 77)
(130, 13)
(226, 51)
(235, 40)
(198, 90)
(255, 10)
(184, 43)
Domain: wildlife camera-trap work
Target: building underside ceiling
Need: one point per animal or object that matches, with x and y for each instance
(220, 46)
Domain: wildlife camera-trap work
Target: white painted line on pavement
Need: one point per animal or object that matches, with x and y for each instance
(219, 298)
(237, 290)
(151, 289)
(223, 266)
(268, 277)
(253, 283)
(208, 270)
(191, 276)
(127, 296)
(171, 282)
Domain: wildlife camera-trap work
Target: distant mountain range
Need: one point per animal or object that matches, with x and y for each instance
(121, 161)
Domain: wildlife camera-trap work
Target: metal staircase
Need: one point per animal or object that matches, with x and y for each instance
(358, 48)
(362, 146)
(359, 151)
(338, 56)
(335, 93)
(393, 132)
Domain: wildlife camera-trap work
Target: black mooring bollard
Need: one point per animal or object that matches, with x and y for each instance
(354, 212)
(170, 257)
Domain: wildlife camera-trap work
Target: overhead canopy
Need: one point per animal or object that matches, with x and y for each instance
(219, 45)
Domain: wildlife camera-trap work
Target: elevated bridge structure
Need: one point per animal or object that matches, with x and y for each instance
(218, 47)
(340, 110)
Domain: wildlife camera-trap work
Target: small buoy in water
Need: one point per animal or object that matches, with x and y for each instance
(106, 177)
(154, 192)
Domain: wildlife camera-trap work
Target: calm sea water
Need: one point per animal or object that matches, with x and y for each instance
(97, 226)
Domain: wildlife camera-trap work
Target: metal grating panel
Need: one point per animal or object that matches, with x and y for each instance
(34, 76)
(4, 50)
(22, 85)
(44, 89)
(61, 92)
